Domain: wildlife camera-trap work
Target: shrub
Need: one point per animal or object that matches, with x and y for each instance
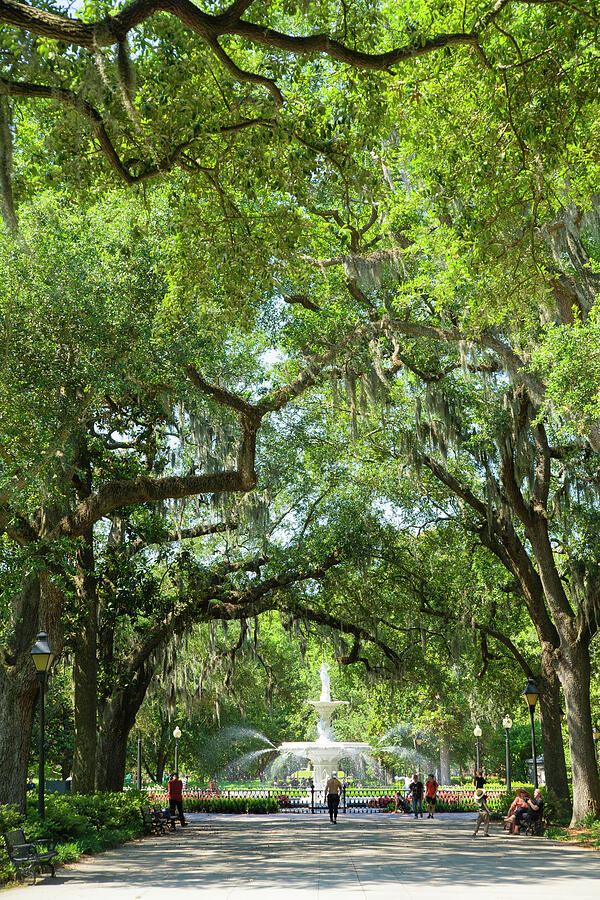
(557, 834)
(555, 810)
(499, 806)
(68, 853)
(78, 824)
(10, 817)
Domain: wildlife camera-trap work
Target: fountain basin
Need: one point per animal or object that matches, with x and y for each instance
(324, 755)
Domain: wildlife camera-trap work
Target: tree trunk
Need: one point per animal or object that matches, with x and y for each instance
(572, 661)
(161, 760)
(36, 607)
(118, 719)
(111, 758)
(84, 677)
(573, 666)
(85, 672)
(66, 762)
(571, 656)
(552, 740)
(445, 777)
(19, 691)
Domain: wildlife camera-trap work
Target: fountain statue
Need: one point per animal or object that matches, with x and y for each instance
(325, 682)
(324, 753)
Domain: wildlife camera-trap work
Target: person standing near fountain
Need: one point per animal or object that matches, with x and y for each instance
(431, 787)
(175, 796)
(416, 791)
(333, 790)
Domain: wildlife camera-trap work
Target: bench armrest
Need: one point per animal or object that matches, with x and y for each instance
(18, 848)
(23, 853)
(45, 842)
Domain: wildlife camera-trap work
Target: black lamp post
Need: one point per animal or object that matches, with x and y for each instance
(531, 694)
(507, 724)
(418, 741)
(177, 735)
(43, 657)
(139, 760)
(477, 733)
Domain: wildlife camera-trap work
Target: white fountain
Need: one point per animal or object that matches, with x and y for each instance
(324, 753)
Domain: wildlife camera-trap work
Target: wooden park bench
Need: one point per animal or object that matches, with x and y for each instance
(165, 817)
(153, 822)
(533, 825)
(29, 856)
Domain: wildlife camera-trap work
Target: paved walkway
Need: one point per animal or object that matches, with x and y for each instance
(302, 857)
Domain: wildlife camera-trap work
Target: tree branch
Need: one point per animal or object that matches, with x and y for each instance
(113, 30)
(77, 102)
(485, 629)
(320, 617)
(143, 489)
(185, 534)
(222, 395)
(280, 397)
(303, 300)
(244, 76)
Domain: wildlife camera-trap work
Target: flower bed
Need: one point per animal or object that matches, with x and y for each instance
(382, 802)
(383, 799)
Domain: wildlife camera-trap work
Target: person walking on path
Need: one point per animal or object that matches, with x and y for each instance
(175, 795)
(483, 813)
(431, 787)
(333, 790)
(416, 791)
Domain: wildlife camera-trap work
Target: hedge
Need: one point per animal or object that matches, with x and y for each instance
(254, 805)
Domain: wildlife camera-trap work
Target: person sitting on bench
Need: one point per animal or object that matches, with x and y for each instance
(530, 812)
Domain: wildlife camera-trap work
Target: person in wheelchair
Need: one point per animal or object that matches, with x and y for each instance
(529, 815)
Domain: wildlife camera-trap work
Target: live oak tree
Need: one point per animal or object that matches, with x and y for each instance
(127, 671)
(516, 508)
(91, 390)
(224, 695)
(510, 282)
(427, 580)
(508, 479)
(70, 377)
(457, 581)
(156, 584)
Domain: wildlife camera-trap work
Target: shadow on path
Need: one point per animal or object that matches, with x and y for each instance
(367, 856)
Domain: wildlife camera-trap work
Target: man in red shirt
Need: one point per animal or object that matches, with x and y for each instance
(431, 787)
(175, 795)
